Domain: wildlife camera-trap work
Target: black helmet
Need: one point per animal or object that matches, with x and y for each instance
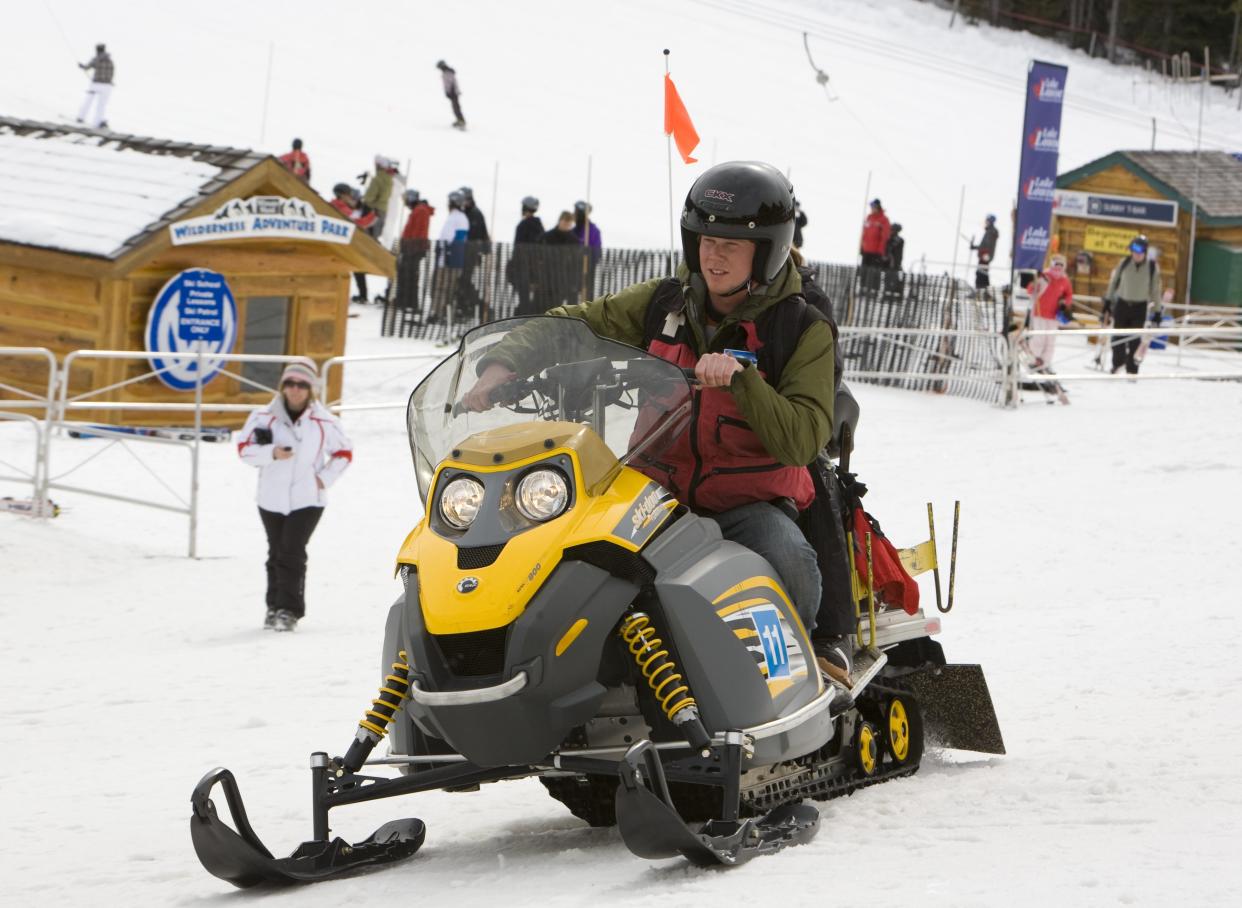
(297, 144)
(582, 207)
(896, 228)
(411, 197)
(342, 189)
(530, 203)
(1139, 244)
(741, 200)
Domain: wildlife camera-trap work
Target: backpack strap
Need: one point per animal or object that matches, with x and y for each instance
(780, 327)
(666, 301)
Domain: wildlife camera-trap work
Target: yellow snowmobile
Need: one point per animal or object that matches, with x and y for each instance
(565, 617)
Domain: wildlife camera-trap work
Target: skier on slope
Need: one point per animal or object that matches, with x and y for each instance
(452, 91)
(100, 89)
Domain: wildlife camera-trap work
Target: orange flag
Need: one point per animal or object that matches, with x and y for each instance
(677, 121)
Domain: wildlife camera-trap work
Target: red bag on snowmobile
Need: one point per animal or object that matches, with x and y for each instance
(892, 583)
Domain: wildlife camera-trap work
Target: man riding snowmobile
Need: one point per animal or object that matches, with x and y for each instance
(567, 615)
(756, 422)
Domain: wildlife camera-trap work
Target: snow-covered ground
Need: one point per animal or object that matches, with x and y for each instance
(1097, 586)
(921, 111)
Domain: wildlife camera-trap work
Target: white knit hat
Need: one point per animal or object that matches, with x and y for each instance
(300, 372)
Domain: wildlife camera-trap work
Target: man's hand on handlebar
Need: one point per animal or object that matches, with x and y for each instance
(479, 398)
(716, 370)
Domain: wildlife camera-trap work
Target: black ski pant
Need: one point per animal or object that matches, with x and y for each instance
(461, 118)
(287, 535)
(1127, 315)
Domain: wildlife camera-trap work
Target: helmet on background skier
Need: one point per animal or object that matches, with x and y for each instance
(895, 228)
(411, 197)
(455, 199)
(875, 203)
(991, 219)
(342, 189)
(741, 200)
(530, 203)
(581, 207)
(1139, 244)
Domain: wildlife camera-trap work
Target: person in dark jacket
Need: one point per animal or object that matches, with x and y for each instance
(562, 265)
(478, 244)
(895, 249)
(799, 223)
(453, 92)
(523, 269)
(413, 249)
(296, 161)
(986, 251)
(97, 93)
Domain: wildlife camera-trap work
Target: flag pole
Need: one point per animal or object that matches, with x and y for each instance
(668, 138)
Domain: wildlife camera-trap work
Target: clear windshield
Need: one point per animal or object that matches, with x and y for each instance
(634, 401)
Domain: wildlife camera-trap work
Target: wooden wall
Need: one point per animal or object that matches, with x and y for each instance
(43, 305)
(44, 308)
(1172, 242)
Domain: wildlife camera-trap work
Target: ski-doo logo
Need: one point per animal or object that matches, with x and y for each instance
(645, 510)
(1049, 89)
(1039, 189)
(467, 584)
(1045, 140)
(1034, 239)
(718, 194)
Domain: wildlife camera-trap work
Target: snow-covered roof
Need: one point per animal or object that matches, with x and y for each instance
(99, 193)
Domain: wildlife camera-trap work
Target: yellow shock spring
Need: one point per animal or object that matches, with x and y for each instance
(656, 665)
(391, 695)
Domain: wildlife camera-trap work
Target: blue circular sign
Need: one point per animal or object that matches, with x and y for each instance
(193, 312)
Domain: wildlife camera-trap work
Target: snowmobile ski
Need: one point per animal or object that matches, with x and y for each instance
(651, 827)
(241, 858)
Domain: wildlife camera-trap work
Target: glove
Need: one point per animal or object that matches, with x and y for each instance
(1156, 317)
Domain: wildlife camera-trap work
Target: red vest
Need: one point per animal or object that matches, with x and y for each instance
(719, 463)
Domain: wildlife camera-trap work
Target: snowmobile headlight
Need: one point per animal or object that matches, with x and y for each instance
(542, 494)
(460, 502)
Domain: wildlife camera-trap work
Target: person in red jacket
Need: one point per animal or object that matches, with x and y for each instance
(1053, 295)
(875, 234)
(296, 161)
(414, 246)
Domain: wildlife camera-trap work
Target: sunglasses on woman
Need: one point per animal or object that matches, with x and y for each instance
(295, 384)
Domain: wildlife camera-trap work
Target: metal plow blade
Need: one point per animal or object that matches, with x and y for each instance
(241, 858)
(957, 708)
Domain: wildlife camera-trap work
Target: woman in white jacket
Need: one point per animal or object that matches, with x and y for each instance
(300, 450)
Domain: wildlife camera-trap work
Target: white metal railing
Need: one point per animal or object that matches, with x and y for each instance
(1205, 367)
(85, 401)
(21, 400)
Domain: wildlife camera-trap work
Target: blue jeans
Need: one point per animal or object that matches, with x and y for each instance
(765, 529)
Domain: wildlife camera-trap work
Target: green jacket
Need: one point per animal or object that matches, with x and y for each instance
(378, 191)
(793, 420)
(1135, 283)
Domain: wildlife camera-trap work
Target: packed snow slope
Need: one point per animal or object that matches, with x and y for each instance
(920, 110)
(1097, 585)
